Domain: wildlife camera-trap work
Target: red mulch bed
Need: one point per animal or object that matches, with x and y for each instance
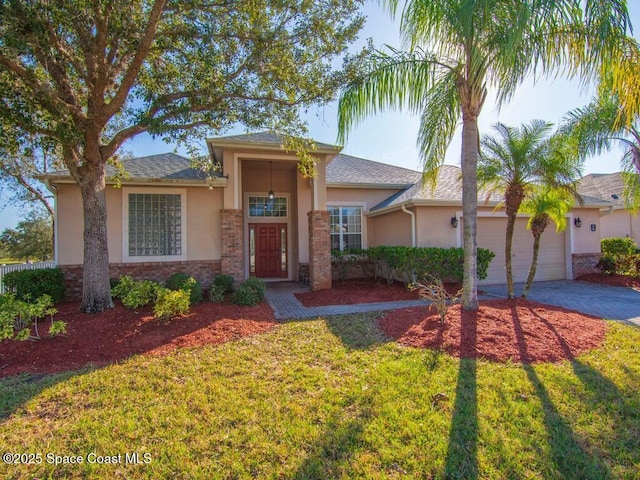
(615, 280)
(351, 292)
(501, 330)
(117, 334)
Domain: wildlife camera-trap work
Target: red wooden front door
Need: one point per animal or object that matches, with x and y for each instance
(270, 249)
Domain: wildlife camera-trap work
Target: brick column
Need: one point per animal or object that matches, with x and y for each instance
(232, 251)
(319, 250)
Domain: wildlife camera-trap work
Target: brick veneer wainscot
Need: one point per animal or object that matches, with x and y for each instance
(584, 263)
(202, 270)
(319, 250)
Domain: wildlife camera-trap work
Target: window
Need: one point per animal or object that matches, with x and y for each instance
(154, 225)
(346, 228)
(266, 207)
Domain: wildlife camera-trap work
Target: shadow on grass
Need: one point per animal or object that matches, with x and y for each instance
(357, 331)
(462, 450)
(331, 456)
(570, 459)
(18, 390)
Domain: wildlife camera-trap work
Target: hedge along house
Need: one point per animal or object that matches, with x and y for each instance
(260, 217)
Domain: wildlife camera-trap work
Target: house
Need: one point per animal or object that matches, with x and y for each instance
(260, 217)
(616, 221)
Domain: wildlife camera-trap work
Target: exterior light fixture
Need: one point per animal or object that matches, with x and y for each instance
(454, 222)
(577, 222)
(271, 194)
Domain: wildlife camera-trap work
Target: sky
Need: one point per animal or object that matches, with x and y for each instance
(390, 137)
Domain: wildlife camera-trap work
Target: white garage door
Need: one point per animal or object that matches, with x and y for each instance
(551, 258)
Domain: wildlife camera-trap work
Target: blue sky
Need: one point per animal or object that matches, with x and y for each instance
(391, 137)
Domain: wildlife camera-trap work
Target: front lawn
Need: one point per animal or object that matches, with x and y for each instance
(330, 398)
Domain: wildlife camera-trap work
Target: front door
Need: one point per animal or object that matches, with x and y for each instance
(269, 244)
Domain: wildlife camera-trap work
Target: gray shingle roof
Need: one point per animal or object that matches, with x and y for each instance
(448, 188)
(348, 170)
(603, 186)
(165, 166)
(261, 138)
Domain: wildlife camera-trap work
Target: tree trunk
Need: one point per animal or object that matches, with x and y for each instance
(534, 263)
(470, 210)
(96, 290)
(508, 247)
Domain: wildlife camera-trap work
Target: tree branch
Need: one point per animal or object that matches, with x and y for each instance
(132, 72)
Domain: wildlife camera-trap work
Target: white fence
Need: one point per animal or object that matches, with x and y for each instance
(22, 266)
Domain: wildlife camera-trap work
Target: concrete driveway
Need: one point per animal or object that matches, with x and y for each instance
(605, 301)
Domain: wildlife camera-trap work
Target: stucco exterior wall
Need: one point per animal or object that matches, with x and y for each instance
(303, 192)
(393, 229)
(203, 223)
(434, 227)
(620, 224)
(584, 239)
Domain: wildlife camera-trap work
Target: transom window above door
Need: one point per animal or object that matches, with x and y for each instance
(263, 206)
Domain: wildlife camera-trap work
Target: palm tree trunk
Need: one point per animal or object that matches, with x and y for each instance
(508, 247)
(534, 263)
(470, 210)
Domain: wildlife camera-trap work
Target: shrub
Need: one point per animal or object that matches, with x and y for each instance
(135, 294)
(412, 263)
(182, 281)
(121, 286)
(622, 252)
(258, 285)
(171, 303)
(216, 293)
(246, 296)
(17, 317)
(606, 265)
(224, 281)
(32, 284)
(618, 246)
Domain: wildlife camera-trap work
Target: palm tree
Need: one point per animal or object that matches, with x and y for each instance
(514, 162)
(456, 50)
(594, 128)
(545, 205)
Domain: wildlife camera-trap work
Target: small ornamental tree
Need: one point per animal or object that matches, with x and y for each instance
(91, 74)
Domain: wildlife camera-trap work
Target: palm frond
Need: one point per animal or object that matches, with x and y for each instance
(396, 80)
(438, 121)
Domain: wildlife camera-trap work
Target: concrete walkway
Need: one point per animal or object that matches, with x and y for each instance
(614, 303)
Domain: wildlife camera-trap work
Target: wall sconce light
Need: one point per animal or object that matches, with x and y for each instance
(454, 222)
(577, 222)
(593, 227)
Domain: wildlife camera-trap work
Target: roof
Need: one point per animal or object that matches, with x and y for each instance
(603, 186)
(262, 140)
(448, 189)
(165, 167)
(345, 170)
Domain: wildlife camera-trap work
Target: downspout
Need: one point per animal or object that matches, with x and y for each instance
(413, 225)
(54, 191)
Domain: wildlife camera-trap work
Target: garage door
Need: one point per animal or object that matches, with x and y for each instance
(551, 258)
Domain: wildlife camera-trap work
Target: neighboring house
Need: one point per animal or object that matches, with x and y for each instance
(168, 217)
(615, 219)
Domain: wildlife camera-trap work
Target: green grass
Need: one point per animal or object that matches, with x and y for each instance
(331, 398)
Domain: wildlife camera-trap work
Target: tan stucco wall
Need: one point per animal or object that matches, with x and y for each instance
(584, 240)
(434, 227)
(392, 229)
(620, 224)
(303, 191)
(203, 224)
